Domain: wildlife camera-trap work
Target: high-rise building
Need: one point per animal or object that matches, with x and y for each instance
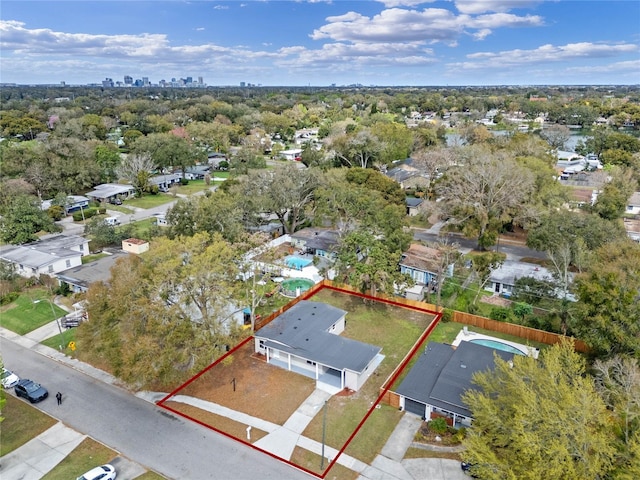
(107, 82)
(128, 80)
(242, 84)
(145, 81)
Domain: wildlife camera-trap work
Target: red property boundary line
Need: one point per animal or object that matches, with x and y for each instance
(385, 387)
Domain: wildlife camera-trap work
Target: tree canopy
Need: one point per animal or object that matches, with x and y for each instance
(538, 419)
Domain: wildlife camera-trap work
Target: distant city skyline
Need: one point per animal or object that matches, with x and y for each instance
(321, 43)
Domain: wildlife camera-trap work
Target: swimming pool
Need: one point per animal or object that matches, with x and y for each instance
(497, 345)
(297, 263)
(293, 287)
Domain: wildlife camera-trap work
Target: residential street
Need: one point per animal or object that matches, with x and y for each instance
(138, 429)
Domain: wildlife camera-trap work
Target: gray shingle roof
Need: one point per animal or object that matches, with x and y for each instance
(302, 331)
(96, 271)
(442, 374)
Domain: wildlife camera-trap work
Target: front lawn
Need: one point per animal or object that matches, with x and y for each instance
(150, 201)
(84, 457)
(93, 258)
(30, 310)
(68, 335)
(21, 423)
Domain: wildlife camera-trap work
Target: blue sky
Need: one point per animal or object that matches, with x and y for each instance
(316, 42)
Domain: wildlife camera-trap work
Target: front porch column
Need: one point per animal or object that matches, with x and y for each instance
(317, 373)
(289, 361)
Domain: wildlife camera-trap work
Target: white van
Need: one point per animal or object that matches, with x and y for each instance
(113, 221)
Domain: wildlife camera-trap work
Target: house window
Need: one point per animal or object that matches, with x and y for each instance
(50, 268)
(82, 247)
(311, 363)
(68, 263)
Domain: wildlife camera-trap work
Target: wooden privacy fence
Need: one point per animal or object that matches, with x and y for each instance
(521, 331)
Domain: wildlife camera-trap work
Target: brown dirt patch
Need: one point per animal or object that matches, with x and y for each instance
(223, 424)
(261, 390)
(496, 300)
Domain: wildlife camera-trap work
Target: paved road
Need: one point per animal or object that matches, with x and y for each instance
(514, 252)
(138, 429)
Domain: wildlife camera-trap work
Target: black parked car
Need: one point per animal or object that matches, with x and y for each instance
(32, 391)
(115, 201)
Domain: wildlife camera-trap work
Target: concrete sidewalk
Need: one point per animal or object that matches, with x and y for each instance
(35, 458)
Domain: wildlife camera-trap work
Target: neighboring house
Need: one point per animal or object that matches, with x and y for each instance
(413, 206)
(214, 159)
(306, 339)
(408, 176)
(291, 154)
(316, 241)
(106, 192)
(633, 204)
(74, 203)
(436, 383)
(49, 256)
(81, 277)
(632, 228)
(164, 182)
(503, 279)
(197, 172)
(135, 245)
(423, 264)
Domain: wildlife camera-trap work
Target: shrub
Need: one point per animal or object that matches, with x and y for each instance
(184, 181)
(102, 210)
(56, 212)
(501, 314)
(438, 425)
(8, 298)
(88, 213)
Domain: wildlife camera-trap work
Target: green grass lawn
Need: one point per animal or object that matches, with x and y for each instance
(150, 476)
(150, 201)
(22, 422)
(68, 335)
(141, 229)
(29, 311)
(84, 457)
(121, 209)
(93, 258)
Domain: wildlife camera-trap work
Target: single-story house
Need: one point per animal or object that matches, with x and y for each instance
(197, 172)
(316, 241)
(81, 277)
(135, 245)
(423, 265)
(291, 154)
(632, 228)
(165, 181)
(214, 158)
(106, 192)
(413, 205)
(306, 339)
(48, 256)
(408, 176)
(74, 203)
(633, 204)
(436, 383)
(503, 279)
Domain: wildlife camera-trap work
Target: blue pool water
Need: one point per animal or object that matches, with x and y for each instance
(296, 262)
(497, 345)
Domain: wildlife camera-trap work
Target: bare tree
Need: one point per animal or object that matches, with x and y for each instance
(556, 135)
(484, 191)
(432, 162)
(137, 170)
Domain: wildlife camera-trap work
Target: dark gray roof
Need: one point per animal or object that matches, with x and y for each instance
(96, 271)
(442, 374)
(318, 238)
(400, 174)
(413, 201)
(303, 331)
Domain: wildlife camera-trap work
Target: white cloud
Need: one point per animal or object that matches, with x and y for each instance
(428, 25)
(404, 3)
(221, 7)
(474, 7)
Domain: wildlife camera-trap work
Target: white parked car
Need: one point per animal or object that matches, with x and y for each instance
(9, 379)
(103, 472)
